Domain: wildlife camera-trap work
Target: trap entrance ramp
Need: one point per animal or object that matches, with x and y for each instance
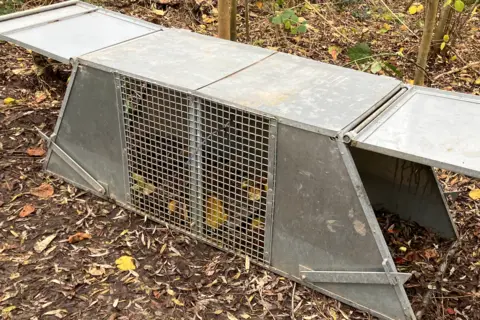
(70, 29)
(262, 154)
(428, 126)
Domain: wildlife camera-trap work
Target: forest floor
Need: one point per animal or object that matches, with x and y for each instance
(177, 277)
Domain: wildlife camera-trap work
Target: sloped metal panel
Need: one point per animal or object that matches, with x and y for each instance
(431, 127)
(324, 97)
(179, 58)
(71, 31)
(42, 17)
(319, 223)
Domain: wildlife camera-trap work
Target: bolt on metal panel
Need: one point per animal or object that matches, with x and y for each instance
(179, 58)
(300, 91)
(416, 128)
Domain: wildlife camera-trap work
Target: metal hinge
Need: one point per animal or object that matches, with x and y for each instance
(74, 165)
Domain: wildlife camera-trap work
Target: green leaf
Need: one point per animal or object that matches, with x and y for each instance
(287, 14)
(294, 30)
(361, 51)
(294, 18)
(277, 20)
(446, 38)
(393, 68)
(459, 5)
(376, 67)
(442, 46)
(138, 178)
(302, 28)
(288, 25)
(447, 3)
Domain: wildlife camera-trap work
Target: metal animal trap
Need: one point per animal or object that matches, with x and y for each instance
(255, 152)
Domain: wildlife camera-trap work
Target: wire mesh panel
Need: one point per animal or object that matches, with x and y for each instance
(199, 165)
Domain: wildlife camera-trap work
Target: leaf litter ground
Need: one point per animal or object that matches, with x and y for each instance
(67, 254)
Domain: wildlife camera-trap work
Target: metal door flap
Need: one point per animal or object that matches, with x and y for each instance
(358, 277)
(70, 29)
(419, 128)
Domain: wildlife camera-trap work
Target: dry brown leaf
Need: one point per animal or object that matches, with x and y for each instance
(431, 253)
(43, 244)
(27, 210)
(36, 152)
(45, 190)
(40, 96)
(96, 271)
(79, 236)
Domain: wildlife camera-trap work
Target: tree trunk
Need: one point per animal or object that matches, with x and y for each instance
(224, 19)
(233, 20)
(247, 20)
(445, 16)
(430, 17)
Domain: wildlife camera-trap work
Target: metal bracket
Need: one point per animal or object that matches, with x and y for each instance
(362, 277)
(74, 165)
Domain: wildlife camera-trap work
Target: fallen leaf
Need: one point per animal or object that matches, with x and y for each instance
(156, 294)
(9, 100)
(172, 206)
(7, 310)
(450, 311)
(96, 271)
(259, 4)
(14, 275)
(43, 244)
(215, 213)
(158, 12)
(219, 311)
(431, 253)
(45, 190)
(231, 316)
(245, 316)
(474, 194)
(27, 210)
(476, 81)
(403, 249)
(125, 263)
(40, 96)
(412, 10)
(170, 292)
(79, 236)
(177, 302)
(57, 313)
(36, 152)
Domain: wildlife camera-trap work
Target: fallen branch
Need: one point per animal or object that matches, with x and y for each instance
(438, 278)
(457, 70)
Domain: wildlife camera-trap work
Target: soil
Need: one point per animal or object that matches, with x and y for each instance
(176, 277)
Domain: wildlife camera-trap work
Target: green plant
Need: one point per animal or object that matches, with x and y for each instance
(9, 6)
(361, 54)
(290, 21)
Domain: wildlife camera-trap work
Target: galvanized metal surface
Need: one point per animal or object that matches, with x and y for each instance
(179, 58)
(319, 96)
(417, 128)
(89, 133)
(42, 17)
(321, 224)
(359, 277)
(71, 31)
(199, 165)
(406, 188)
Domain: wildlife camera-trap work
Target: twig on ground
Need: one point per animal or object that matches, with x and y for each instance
(293, 300)
(455, 70)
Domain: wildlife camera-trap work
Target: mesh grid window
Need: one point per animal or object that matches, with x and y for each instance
(198, 165)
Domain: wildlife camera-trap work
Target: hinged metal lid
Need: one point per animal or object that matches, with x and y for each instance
(431, 127)
(70, 29)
